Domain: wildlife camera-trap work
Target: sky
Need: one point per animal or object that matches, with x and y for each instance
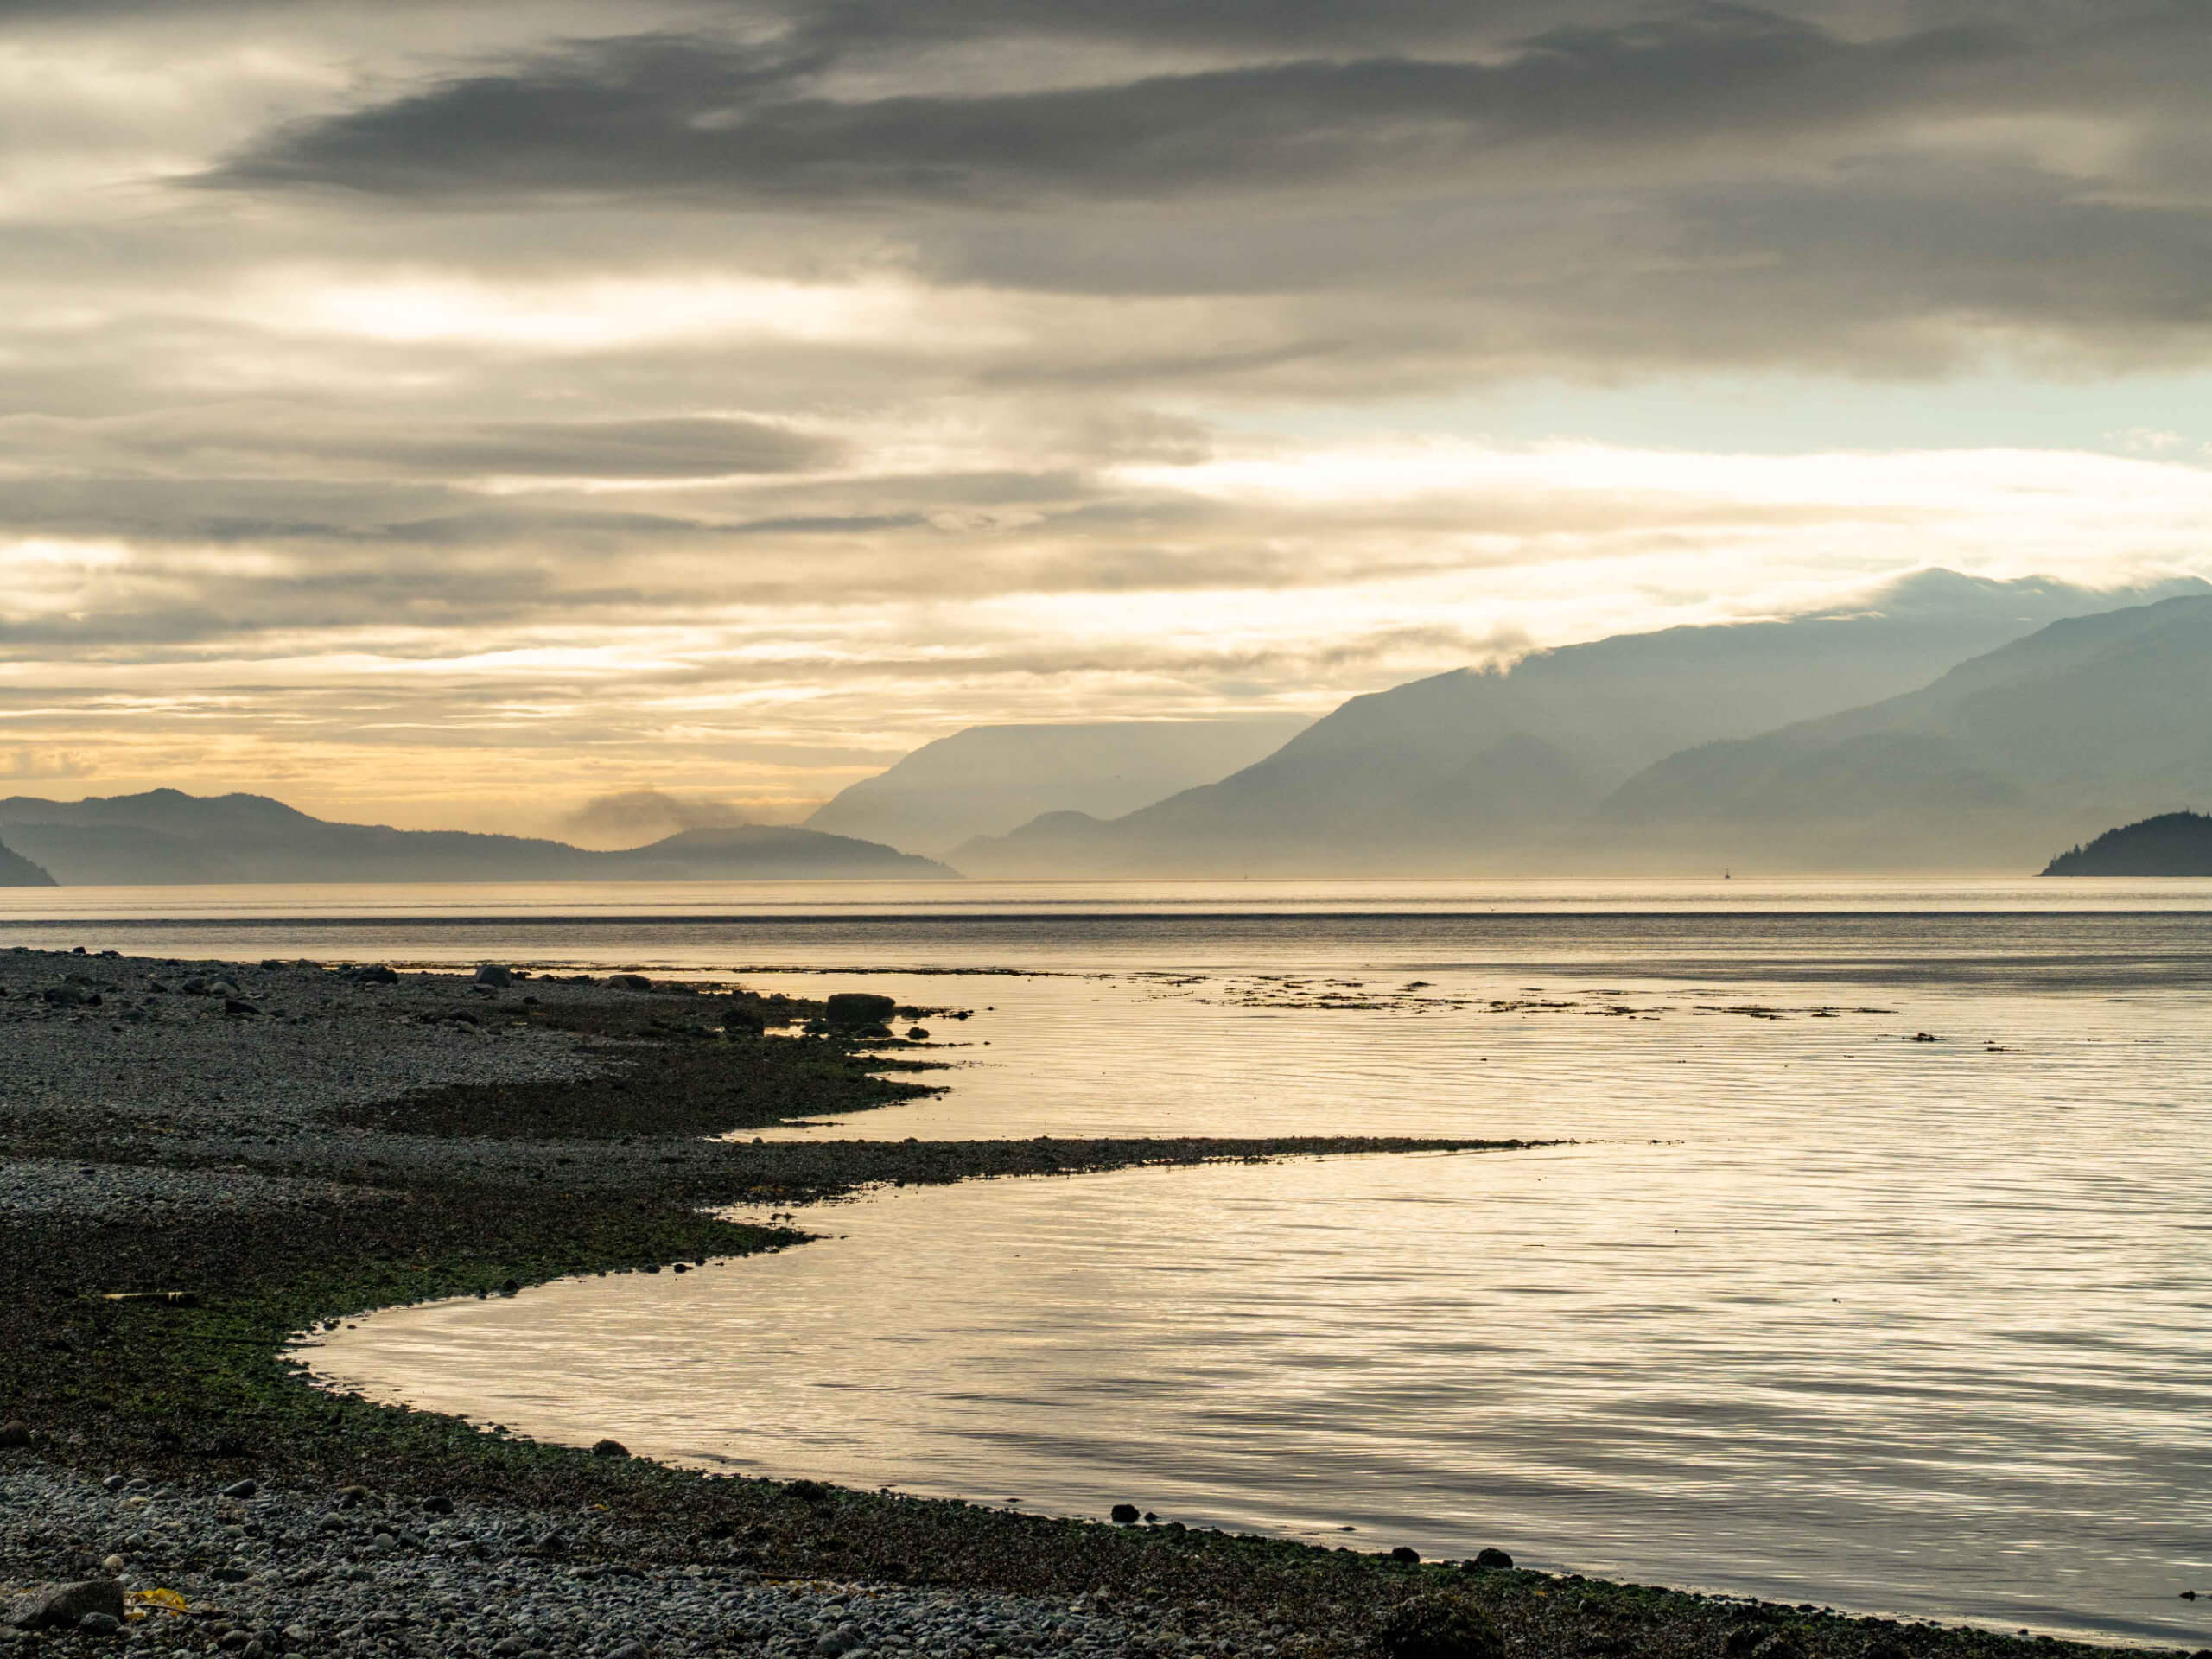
(473, 416)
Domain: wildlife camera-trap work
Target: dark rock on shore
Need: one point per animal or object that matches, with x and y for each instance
(1438, 1626)
(856, 1010)
(63, 1606)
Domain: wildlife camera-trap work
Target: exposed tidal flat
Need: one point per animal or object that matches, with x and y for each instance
(495, 1149)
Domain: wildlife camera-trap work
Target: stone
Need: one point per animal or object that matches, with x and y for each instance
(859, 1010)
(1407, 1554)
(14, 1436)
(61, 1606)
(100, 1623)
(240, 1488)
(1125, 1515)
(630, 982)
(496, 976)
(629, 1651)
(609, 1449)
(436, 1504)
(1438, 1626)
(1495, 1558)
(373, 974)
(916, 1034)
(113, 1565)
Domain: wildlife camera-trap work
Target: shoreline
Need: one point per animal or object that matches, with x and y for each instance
(340, 1143)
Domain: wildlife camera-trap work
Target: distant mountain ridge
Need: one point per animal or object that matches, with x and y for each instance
(17, 871)
(2171, 844)
(166, 836)
(1476, 771)
(2036, 743)
(986, 780)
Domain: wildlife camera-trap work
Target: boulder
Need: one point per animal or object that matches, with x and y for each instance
(1438, 1626)
(1492, 1557)
(1125, 1515)
(860, 1010)
(630, 982)
(496, 977)
(60, 1606)
(609, 1449)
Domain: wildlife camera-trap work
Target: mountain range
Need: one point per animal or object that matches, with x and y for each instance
(2033, 744)
(167, 837)
(987, 780)
(1481, 771)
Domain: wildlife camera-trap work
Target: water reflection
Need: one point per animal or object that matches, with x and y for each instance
(1819, 1310)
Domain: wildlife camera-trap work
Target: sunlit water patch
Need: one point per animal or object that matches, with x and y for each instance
(1878, 1276)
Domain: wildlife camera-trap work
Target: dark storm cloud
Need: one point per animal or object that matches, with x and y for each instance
(701, 119)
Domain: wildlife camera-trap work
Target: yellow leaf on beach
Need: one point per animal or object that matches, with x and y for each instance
(169, 1601)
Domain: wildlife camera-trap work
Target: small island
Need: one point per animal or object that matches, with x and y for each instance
(2173, 843)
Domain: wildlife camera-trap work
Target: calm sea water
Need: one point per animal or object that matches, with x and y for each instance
(1811, 1308)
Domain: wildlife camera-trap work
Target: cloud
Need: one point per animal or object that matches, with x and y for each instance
(634, 816)
(701, 119)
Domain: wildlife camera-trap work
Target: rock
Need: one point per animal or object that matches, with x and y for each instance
(1496, 1558)
(630, 982)
(240, 1488)
(14, 1436)
(68, 996)
(1407, 1554)
(508, 1646)
(609, 1449)
(1125, 1515)
(437, 1505)
(494, 976)
(61, 1606)
(859, 1010)
(806, 1491)
(511, 1287)
(1441, 1626)
(100, 1623)
(373, 974)
(113, 1565)
(629, 1651)
(352, 1497)
(916, 1034)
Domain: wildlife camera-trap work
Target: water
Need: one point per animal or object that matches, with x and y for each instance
(1811, 1309)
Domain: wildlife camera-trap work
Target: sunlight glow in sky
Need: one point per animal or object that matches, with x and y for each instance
(451, 414)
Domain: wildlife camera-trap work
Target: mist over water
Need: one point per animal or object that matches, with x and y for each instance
(1810, 1309)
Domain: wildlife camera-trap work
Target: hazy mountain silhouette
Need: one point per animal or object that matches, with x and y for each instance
(17, 871)
(165, 836)
(1477, 770)
(990, 779)
(2036, 743)
(2173, 843)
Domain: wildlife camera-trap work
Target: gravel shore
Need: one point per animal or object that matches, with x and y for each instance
(353, 1571)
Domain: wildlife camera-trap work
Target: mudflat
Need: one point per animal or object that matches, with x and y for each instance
(199, 1160)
